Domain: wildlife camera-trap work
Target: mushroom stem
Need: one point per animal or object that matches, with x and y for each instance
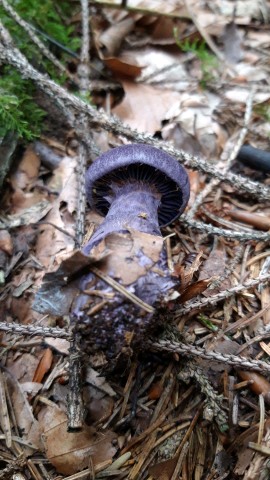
(132, 206)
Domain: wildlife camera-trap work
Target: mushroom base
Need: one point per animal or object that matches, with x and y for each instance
(110, 322)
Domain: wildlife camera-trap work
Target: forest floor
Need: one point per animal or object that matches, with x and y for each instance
(191, 78)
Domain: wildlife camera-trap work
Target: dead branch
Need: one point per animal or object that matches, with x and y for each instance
(189, 349)
(11, 55)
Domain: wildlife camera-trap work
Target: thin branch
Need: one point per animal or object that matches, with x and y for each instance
(85, 32)
(12, 55)
(75, 400)
(214, 401)
(81, 123)
(222, 232)
(34, 330)
(205, 302)
(189, 349)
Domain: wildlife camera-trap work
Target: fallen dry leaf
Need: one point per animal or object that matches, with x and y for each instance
(144, 107)
(28, 170)
(94, 378)
(123, 67)
(194, 289)
(70, 452)
(59, 344)
(99, 405)
(23, 367)
(110, 40)
(27, 215)
(56, 293)
(126, 249)
(215, 266)
(156, 391)
(232, 43)
(26, 422)
(44, 365)
(163, 470)
(53, 244)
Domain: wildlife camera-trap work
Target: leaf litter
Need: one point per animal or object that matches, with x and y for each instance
(155, 417)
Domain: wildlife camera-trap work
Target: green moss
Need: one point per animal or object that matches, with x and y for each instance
(263, 110)
(209, 63)
(18, 110)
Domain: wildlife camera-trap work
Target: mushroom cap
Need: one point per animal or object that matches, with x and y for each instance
(143, 163)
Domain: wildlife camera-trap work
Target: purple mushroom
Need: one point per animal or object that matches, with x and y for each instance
(137, 188)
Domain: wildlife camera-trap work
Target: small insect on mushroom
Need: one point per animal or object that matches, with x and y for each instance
(138, 189)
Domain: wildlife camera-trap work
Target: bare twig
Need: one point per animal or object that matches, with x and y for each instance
(34, 330)
(188, 349)
(81, 203)
(221, 296)
(5, 422)
(75, 401)
(223, 232)
(81, 122)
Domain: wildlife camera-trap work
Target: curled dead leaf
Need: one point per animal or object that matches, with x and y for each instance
(195, 289)
(123, 67)
(110, 40)
(187, 268)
